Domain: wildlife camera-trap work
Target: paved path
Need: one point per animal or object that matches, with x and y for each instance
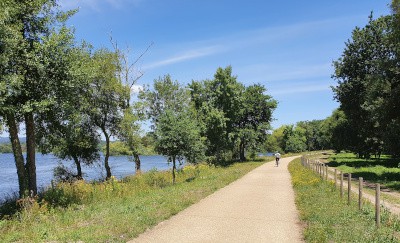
(259, 207)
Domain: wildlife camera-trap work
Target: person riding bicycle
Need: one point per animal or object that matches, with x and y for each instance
(277, 157)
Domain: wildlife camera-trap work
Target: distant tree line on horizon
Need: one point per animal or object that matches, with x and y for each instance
(68, 95)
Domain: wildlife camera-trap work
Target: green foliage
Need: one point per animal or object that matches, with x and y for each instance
(234, 118)
(5, 148)
(384, 170)
(118, 148)
(327, 218)
(107, 98)
(176, 130)
(368, 90)
(178, 136)
(167, 95)
(36, 60)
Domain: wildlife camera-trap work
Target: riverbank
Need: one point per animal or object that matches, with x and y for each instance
(117, 210)
(121, 167)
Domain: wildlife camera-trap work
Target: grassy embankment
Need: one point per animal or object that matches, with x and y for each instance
(114, 211)
(328, 218)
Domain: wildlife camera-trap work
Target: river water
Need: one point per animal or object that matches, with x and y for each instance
(120, 167)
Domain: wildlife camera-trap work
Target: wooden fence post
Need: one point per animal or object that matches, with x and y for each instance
(326, 172)
(341, 184)
(348, 188)
(378, 205)
(322, 171)
(360, 192)
(335, 178)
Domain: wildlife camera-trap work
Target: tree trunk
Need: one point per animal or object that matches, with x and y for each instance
(137, 163)
(18, 157)
(78, 168)
(107, 155)
(242, 145)
(30, 153)
(173, 169)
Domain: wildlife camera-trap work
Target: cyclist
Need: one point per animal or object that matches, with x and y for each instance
(277, 157)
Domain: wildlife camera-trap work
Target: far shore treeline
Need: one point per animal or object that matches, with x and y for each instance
(68, 95)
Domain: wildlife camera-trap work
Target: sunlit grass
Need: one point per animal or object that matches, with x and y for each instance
(116, 210)
(328, 218)
(384, 170)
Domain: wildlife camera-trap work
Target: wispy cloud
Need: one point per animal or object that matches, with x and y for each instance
(278, 33)
(281, 72)
(300, 89)
(185, 56)
(97, 5)
(256, 40)
(135, 89)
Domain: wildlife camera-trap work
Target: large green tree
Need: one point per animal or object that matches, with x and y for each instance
(234, 118)
(35, 49)
(107, 97)
(368, 87)
(177, 136)
(254, 118)
(176, 130)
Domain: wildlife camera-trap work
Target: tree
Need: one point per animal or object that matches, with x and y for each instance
(234, 118)
(129, 134)
(33, 38)
(167, 95)
(128, 76)
(176, 131)
(368, 88)
(73, 139)
(254, 118)
(107, 97)
(294, 139)
(177, 136)
(212, 120)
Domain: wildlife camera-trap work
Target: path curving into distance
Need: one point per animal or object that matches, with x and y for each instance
(259, 207)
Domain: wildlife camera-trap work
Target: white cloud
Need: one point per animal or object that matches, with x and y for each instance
(300, 89)
(276, 34)
(285, 72)
(263, 39)
(185, 56)
(135, 89)
(97, 5)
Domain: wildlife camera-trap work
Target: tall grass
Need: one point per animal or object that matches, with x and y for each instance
(328, 218)
(116, 210)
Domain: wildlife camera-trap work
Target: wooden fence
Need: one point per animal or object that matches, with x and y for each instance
(323, 171)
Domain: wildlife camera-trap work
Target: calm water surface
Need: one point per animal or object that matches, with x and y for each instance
(120, 167)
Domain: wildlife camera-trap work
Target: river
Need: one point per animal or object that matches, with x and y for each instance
(120, 167)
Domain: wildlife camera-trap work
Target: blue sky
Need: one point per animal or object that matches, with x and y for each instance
(287, 46)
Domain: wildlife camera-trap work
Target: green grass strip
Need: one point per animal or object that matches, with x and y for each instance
(114, 211)
(328, 218)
